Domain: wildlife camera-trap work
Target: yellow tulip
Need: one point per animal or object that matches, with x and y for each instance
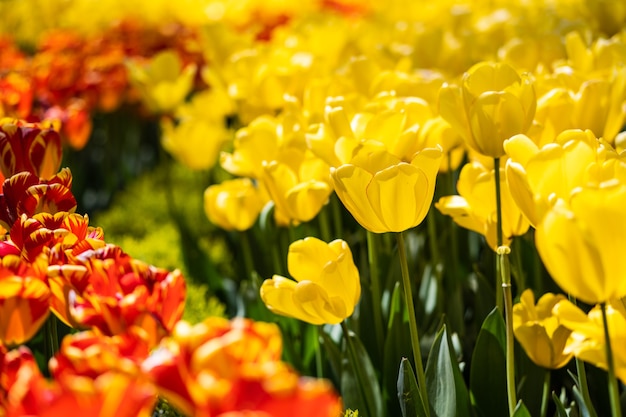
(587, 340)
(327, 285)
(493, 103)
(388, 122)
(536, 174)
(194, 143)
(163, 82)
(386, 194)
(299, 187)
(475, 206)
(539, 331)
(234, 204)
(436, 131)
(267, 139)
(582, 242)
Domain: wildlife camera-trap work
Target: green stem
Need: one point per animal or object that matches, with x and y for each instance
(503, 260)
(275, 249)
(496, 167)
(432, 237)
(584, 387)
(335, 205)
(247, 254)
(545, 395)
(517, 267)
(372, 256)
(324, 225)
(51, 336)
(361, 378)
(499, 239)
(613, 388)
(415, 342)
(582, 377)
(503, 270)
(319, 365)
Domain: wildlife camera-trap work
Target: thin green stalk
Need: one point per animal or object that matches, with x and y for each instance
(276, 250)
(616, 411)
(503, 270)
(503, 260)
(319, 364)
(247, 254)
(496, 167)
(517, 268)
(432, 237)
(51, 336)
(545, 395)
(582, 379)
(584, 386)
(324, 225)
(335, 205)
(372, 257)
(362, 379)
(415, 342)
(499, 239)
(454, 239)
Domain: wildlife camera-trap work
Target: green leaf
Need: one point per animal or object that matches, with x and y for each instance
(560, 409)
(446, 389)
(489, 387)
(583, 408)
(359, 382)
(333, 354)
(521, 410)
(397, 345)
(411, 403)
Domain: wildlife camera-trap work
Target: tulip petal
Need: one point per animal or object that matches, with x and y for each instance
(397, 195)
(351, 183)
(278, 295)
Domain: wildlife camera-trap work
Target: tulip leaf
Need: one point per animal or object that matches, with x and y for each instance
(489, 388)
(266, 219)
(447, 392)
(560, 409)
(583, 408)
(521, 410)
(333, 354)
(397, 345)
(411, 403)
(359, 382)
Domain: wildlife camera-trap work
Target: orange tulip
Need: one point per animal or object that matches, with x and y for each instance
(29, 147)
(24, 299)
(25, 193)
(110, 394)
(219, 367)
(122, 293)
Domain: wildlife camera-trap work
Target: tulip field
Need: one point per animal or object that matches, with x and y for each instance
(314, 208)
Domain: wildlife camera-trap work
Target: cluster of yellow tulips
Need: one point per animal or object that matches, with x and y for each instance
(440, 180)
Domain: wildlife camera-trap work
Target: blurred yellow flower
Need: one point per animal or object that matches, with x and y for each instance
(327, 285)
(194, 143)
(492, 104)
(436, 131)
(539, 331)
(299, 187)
(265, 139)
(475, 206)
(587, 340)
(582, 241)
(162, 82)
(386, 194)
(234, 204)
